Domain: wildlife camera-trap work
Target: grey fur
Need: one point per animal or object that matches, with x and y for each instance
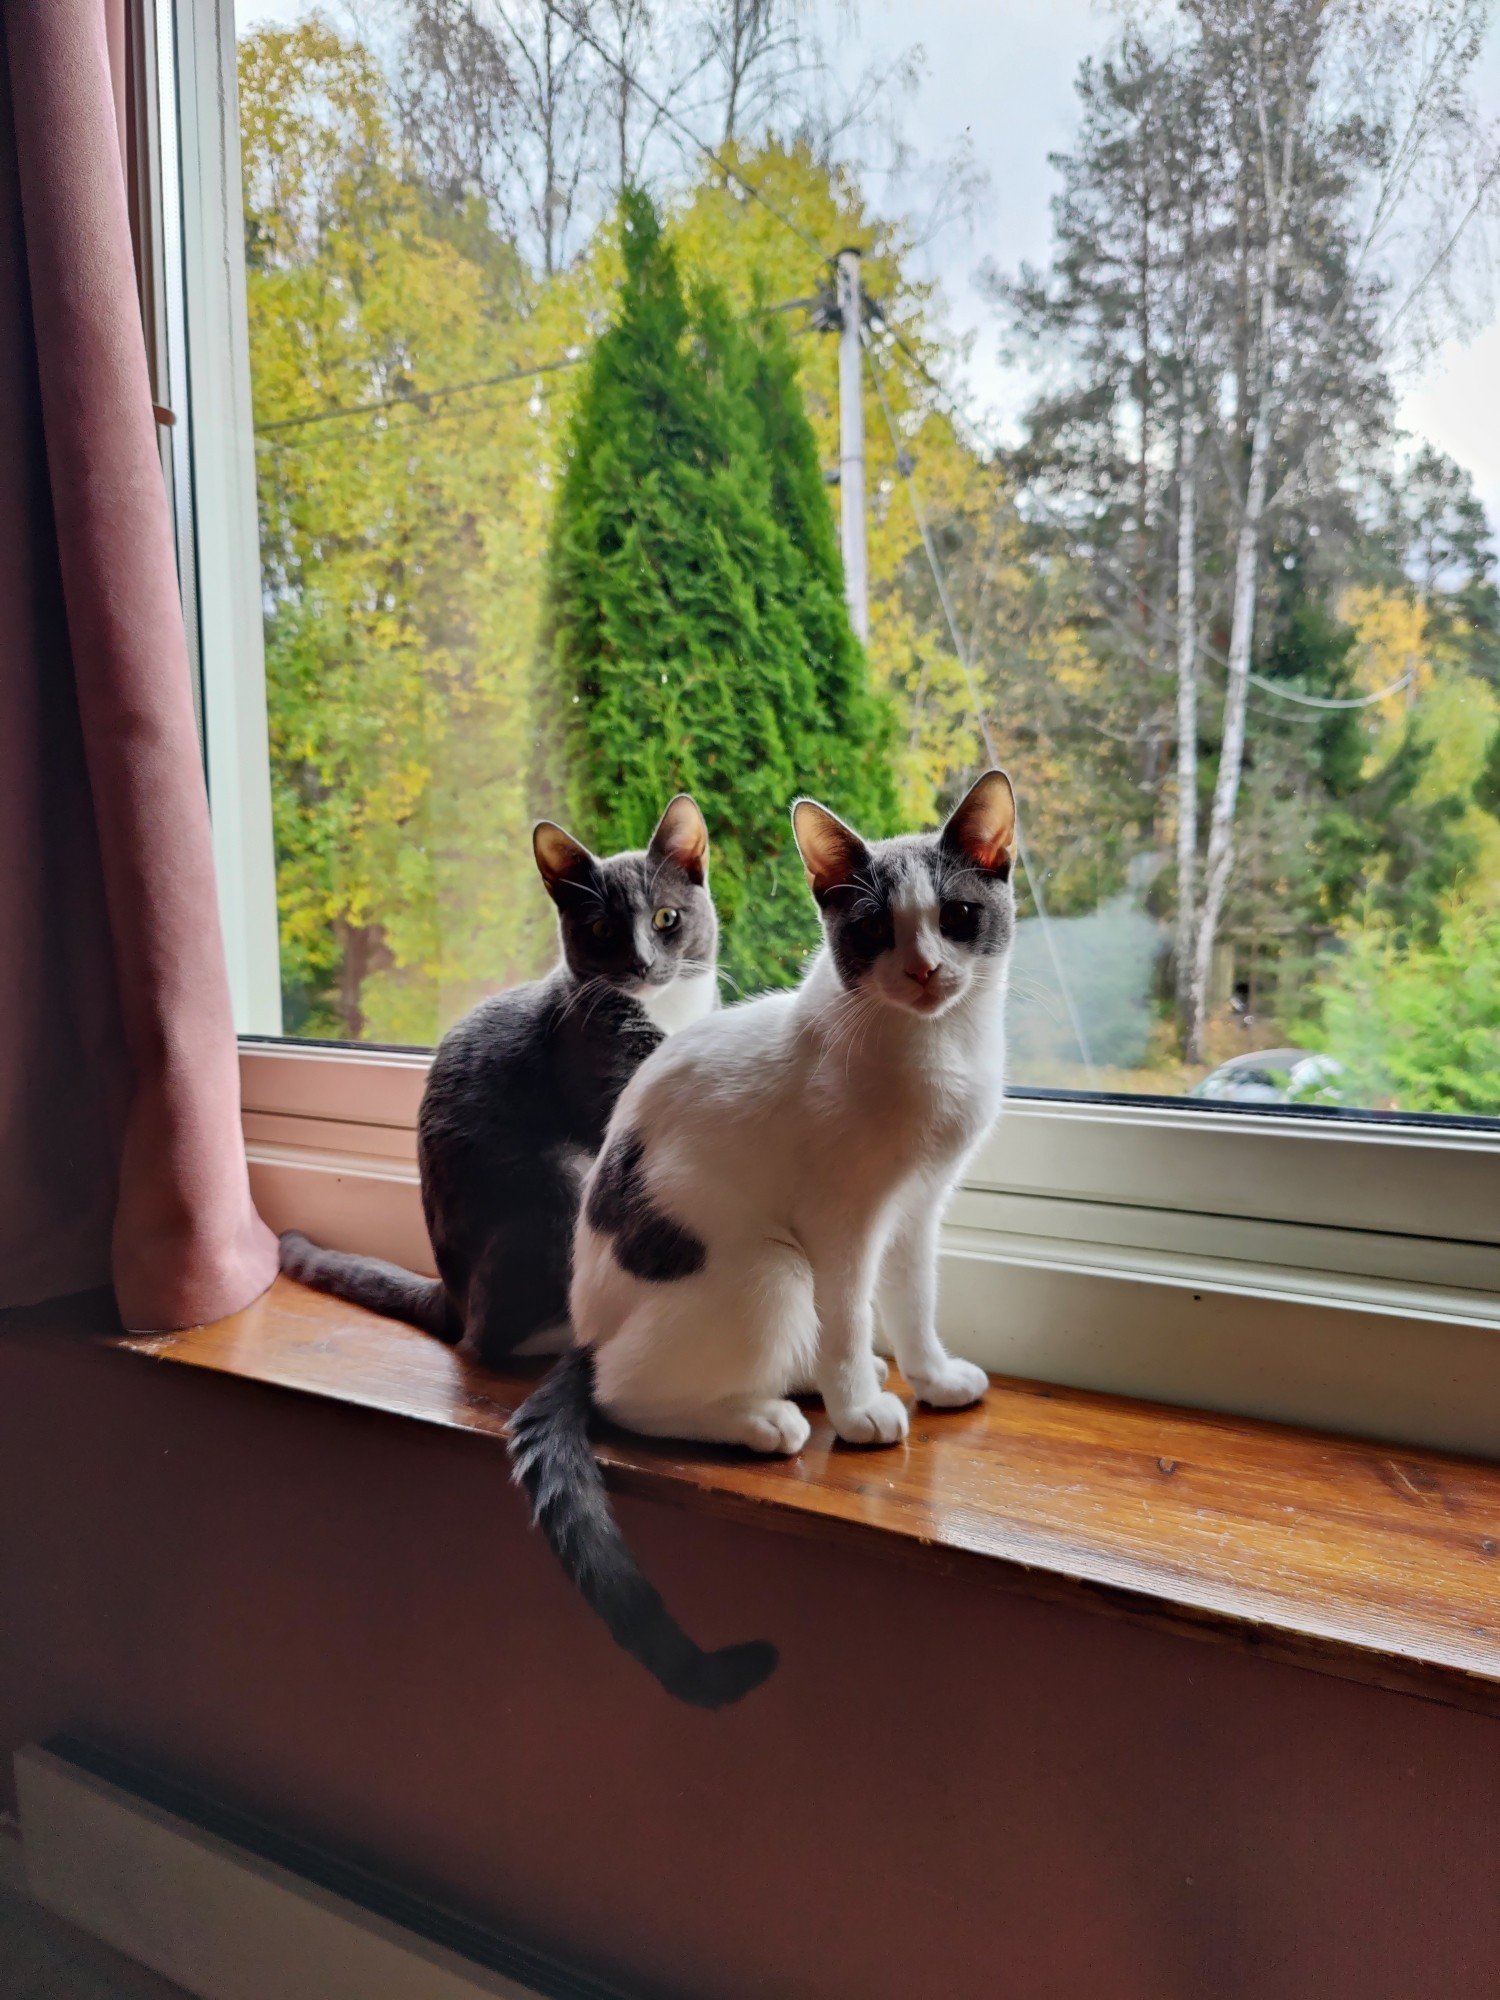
(518, 1098)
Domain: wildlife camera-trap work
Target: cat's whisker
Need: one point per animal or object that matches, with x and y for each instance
(692, 967)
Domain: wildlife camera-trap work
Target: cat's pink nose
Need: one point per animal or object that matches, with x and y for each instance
(920, 969)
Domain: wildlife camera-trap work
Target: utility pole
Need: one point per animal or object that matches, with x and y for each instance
(852, 446)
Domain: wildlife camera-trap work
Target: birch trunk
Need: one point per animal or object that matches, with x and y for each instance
(1220, 856)
(1187, 712)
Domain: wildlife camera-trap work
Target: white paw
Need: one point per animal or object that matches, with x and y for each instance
(882, 1368)
(880, 1421)
(776, 1427)
(954, 1384)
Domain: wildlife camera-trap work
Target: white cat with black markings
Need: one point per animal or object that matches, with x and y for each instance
(773, 1177)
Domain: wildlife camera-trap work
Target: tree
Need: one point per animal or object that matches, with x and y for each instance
(404, 529)
(397, 571)
(1416, 1027)
(699, 640)
(1248, 188)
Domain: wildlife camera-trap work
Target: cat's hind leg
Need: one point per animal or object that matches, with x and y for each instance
(518, 1292)
(709, 1357)
(769, 1424)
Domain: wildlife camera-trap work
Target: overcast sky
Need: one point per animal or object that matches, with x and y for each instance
(1002, 72)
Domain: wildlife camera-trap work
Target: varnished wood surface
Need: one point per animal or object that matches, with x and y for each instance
(1376, 1563)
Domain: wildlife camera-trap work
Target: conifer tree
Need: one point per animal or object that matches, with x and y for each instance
(698, 635)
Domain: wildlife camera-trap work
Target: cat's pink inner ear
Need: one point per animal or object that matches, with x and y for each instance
(559, 857)
(681, 837)
(832, 853)
(982, 827)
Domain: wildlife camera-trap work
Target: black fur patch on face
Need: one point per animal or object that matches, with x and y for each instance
(647, 1243)
(858, 922)
(976, 911)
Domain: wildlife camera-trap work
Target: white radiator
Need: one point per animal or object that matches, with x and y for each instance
(233, 1910)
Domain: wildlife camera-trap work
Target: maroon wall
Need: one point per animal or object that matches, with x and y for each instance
(338, 1620)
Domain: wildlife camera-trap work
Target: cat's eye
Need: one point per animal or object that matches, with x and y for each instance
(665, 920)
(602, 928)
(959, 921)
(873, 932)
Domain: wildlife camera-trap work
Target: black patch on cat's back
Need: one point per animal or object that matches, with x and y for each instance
(647, 1243)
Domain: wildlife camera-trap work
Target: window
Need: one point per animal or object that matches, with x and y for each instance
(1154, 475)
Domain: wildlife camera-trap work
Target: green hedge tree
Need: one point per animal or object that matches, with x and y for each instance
(698, 636)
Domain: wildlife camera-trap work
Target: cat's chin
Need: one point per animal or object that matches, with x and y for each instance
(927, 1003)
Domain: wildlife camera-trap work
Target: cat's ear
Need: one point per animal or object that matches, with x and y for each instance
(982, 827)
(564, 863)
(832, 853)
(681, 837)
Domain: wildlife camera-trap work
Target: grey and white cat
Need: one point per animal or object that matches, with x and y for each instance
(521, 1089)
(773, 1178)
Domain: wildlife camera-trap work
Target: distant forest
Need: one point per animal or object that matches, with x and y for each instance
(1236, 639)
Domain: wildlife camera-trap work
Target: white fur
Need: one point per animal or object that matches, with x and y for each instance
(683, 1000)
(810, 1141)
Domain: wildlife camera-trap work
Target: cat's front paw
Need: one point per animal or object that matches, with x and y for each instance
(775, 1426)
(951, 1386)
(880, 1421)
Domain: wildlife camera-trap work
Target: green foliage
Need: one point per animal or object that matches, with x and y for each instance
(1487, 788)
(699, 636)
(1377, 836)
(1386, 848)
(1311, 652)
(397, 567)
(1416, 1027)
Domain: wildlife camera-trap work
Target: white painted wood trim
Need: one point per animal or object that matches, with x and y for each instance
(221, 1922)
(215, 456)
(1374, 1181)
(1390, 1179)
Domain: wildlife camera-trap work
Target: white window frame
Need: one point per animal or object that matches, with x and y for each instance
(208, 353)
(1328, 1272)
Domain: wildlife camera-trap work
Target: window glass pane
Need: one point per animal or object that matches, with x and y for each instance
(1180, 440)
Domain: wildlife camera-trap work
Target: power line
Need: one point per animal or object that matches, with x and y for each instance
(419, 396)
(1212, 652)
(572, 359)
(1328, 701)
(400, 426)
(981, 719)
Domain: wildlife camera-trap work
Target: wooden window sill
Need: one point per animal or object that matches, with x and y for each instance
(1376, 1564)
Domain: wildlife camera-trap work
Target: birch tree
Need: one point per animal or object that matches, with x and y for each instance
(1263, 204)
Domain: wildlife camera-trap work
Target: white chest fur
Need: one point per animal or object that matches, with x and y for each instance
(686, 999)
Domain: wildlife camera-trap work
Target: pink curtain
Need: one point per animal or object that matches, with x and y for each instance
(121, 1157)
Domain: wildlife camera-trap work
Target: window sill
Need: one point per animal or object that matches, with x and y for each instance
(1345, 1280)
(1369, 1563)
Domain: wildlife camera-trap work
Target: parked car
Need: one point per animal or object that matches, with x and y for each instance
(1274, 1076)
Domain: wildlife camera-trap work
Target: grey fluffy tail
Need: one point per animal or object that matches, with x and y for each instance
(549, 1450)
(372, 1283)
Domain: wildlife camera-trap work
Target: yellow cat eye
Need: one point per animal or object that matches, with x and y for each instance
(602, 927)
(664, 920)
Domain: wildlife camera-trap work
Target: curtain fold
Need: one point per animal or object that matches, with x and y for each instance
(120, 1144)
